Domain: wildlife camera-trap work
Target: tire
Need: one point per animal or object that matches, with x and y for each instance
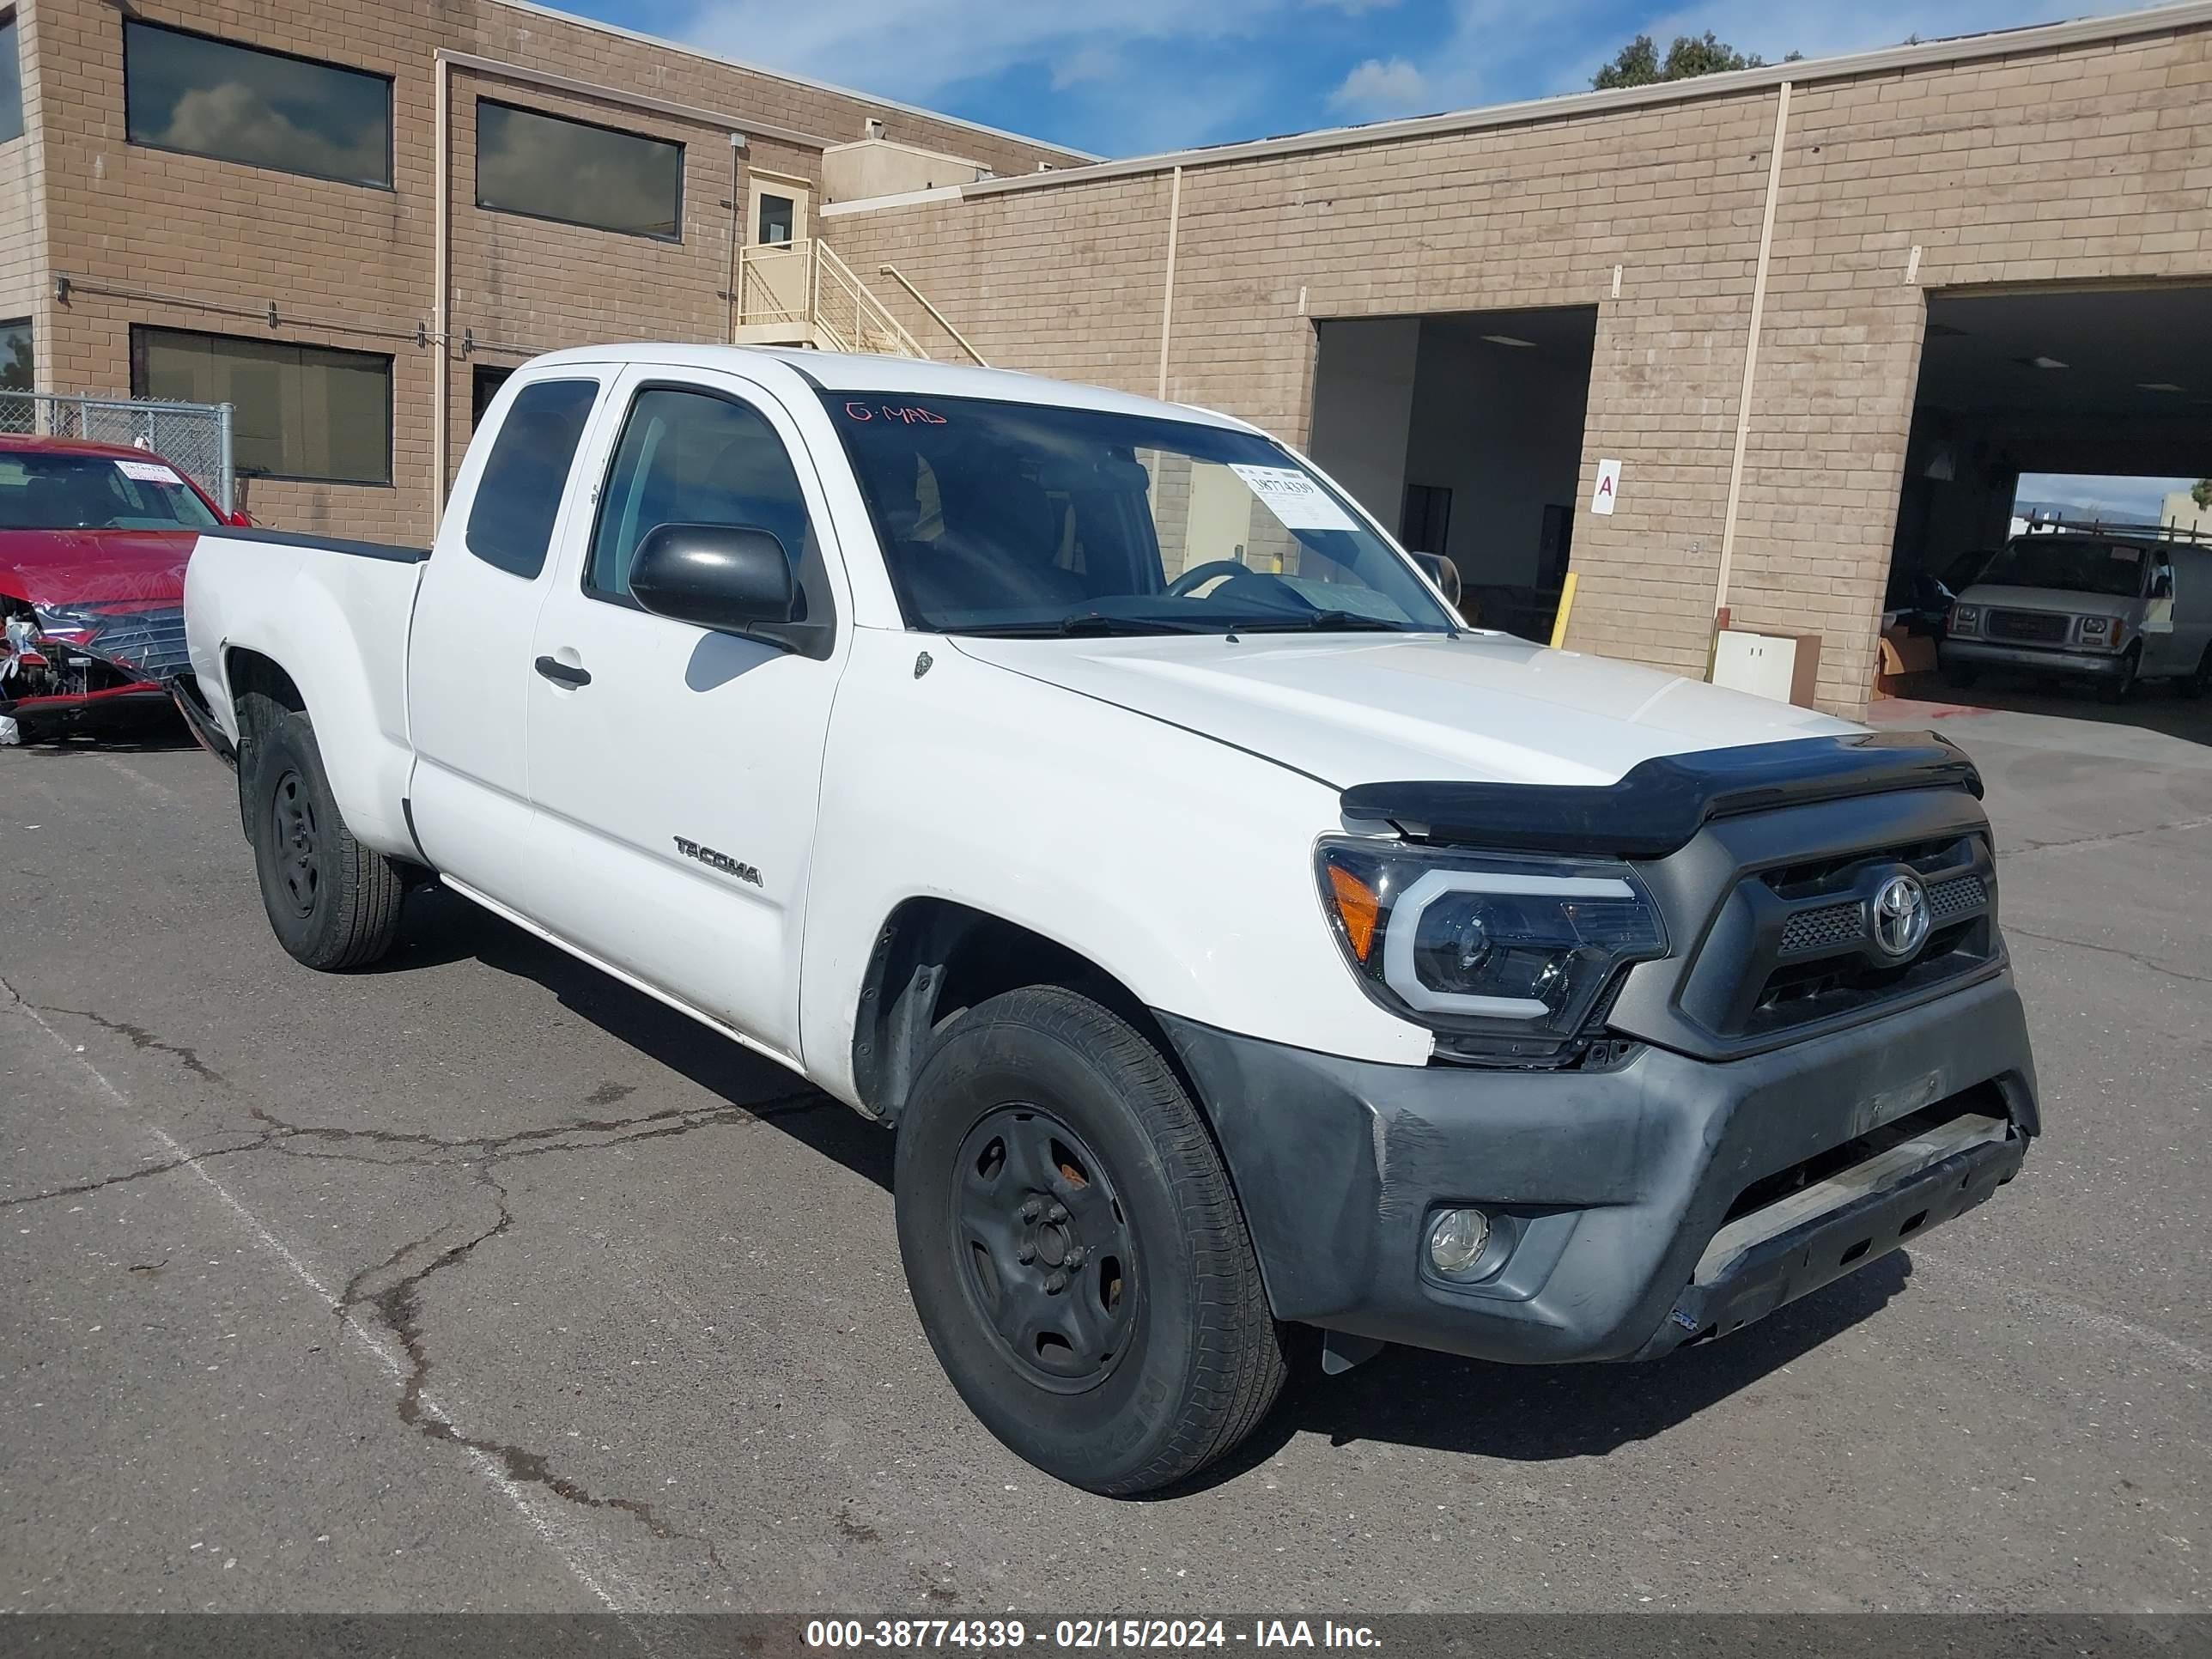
(2123, 687)
(2199, 681)
(1040, 1121)
(333, 903)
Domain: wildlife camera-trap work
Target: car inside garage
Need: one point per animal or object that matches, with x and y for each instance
(2110, 384)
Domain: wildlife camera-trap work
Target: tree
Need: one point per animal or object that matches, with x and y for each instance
(2202, 494)
(1639, 64)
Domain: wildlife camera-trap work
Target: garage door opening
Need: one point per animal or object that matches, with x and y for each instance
(2046, 411)
(1462, 431)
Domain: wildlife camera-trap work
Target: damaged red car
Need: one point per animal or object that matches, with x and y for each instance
(94, 539)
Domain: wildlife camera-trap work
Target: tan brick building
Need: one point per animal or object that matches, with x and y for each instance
(1816, 312)
(121, 233)
(2011, 171)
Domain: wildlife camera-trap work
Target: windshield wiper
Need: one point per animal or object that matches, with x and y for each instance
(1091, 623)
(1344, 622)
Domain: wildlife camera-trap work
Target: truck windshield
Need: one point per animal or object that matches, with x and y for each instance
(2070, 564)
(50, 490)
(1029, 518)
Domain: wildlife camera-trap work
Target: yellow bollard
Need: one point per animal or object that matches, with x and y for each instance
(1567, 603)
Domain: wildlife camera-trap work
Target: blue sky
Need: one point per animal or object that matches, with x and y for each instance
(1128, 77)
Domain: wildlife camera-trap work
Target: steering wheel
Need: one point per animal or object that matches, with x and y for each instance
(1199, 574)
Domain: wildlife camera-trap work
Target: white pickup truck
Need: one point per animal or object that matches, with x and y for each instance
(1087, 787)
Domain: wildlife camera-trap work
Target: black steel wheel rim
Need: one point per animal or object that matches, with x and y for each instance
(297, 844)
(1045, 1249)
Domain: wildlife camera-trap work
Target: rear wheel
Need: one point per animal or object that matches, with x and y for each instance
(2200, 679)
(1077, 1259)
(333, 903)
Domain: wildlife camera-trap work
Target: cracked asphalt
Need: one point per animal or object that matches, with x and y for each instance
(481, 1282)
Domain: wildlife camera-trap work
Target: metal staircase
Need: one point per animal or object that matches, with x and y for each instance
(800, 293)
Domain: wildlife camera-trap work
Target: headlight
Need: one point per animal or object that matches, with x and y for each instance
(1519, 949)
(2097, 630)
(1965, 619)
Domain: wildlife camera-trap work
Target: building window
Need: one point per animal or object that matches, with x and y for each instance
(547, 166)
(16, 361)
(518, 496)
(11, 77)
(304, 412)
(484, 382)
(778, 214)
(184, 92)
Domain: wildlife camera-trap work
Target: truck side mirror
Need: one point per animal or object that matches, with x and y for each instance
(727, 577)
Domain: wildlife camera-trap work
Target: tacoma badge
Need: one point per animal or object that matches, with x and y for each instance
(723, 861)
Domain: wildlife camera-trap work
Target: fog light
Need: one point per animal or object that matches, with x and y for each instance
(1457, 1239)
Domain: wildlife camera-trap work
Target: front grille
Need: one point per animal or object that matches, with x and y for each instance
(1960, 896)
(2035, 627)
(1809, 954)
(1813, 930)
(149, 643)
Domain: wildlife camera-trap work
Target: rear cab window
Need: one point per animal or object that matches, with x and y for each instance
(519, 496)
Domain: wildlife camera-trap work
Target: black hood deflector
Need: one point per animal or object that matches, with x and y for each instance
(1661, 804)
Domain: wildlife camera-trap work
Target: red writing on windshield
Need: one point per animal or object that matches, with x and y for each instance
(908, 414)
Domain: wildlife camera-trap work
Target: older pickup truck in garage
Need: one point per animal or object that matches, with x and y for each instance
(1086, 788)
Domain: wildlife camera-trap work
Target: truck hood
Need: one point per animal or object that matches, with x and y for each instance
(1370, 708)
(57, 568)
(2065, 600)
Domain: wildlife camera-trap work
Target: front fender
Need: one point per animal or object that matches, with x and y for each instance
(1180, 867)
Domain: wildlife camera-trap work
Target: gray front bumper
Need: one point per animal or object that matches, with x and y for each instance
(1608, 1184)
(2033, 658)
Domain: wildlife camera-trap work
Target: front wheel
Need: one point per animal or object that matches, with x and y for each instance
(2123, 686)
(1078, 1258)
(333, 903)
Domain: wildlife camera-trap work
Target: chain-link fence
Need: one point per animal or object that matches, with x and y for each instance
(196, 437)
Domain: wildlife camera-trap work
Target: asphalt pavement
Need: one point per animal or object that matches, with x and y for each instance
(481, 1282)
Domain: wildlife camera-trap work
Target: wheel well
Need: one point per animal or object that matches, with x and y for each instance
(933, 959)
(249, 671)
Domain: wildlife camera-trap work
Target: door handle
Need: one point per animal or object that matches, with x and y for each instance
(562, 674)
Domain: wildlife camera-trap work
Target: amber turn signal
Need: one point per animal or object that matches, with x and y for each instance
(1357, 907)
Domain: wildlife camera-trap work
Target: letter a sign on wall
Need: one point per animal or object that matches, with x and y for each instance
(1609, 487)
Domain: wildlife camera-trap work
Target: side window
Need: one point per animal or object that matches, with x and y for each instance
(511, 520)
(694, 458)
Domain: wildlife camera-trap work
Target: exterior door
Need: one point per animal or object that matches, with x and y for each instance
(776, 261)
(469, 649)
(674, 768)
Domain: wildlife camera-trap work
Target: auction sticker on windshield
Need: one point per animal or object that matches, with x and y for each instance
(1294, 498)
(149, 472)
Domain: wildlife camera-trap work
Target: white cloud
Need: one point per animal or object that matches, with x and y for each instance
(1090, 63)
(912, 49)
(1378, 87)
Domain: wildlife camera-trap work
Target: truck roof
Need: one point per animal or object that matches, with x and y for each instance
(837, 371)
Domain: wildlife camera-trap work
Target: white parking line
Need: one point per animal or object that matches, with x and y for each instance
(595, 1577)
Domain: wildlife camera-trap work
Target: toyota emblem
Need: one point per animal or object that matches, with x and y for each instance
(1900, 917)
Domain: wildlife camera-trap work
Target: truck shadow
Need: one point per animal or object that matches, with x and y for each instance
(441, 927)
(1540, 1413)
(1404, 1396)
